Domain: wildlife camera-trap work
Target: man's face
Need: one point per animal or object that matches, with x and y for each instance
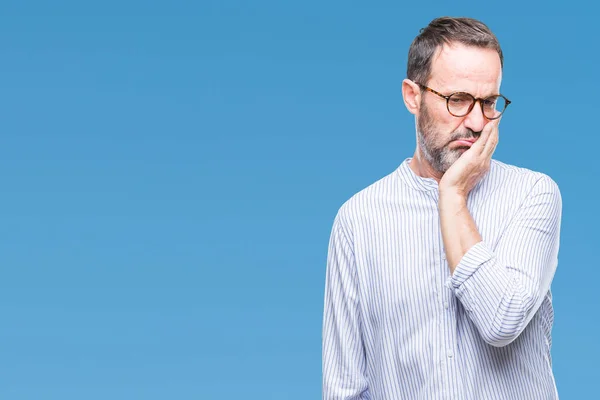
(455, 68)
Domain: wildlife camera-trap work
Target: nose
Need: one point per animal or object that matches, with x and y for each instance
(475, 120)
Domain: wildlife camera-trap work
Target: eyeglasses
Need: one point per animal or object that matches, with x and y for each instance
(460, 104)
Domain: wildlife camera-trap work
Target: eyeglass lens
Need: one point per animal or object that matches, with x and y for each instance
(459, 104)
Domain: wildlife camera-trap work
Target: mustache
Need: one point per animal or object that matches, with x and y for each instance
(466, 134)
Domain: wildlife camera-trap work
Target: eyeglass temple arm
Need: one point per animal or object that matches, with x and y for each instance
(432, 91)
(447, 97)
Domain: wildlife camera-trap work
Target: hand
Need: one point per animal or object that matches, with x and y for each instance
(473, 164)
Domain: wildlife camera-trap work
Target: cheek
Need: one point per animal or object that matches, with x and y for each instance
(440, 124)
(445, 126)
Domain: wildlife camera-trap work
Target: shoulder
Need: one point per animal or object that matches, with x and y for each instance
(366, 201)
(527, 182)
(513, 174)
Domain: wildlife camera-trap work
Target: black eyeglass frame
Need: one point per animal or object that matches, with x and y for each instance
(475, 99)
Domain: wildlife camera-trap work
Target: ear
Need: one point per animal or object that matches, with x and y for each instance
(412, 96)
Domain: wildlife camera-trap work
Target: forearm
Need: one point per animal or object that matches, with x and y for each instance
(480, 281)
(502, 287)
(488, 281)
(459, 231)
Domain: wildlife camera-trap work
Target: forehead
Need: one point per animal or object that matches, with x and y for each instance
(457, 67)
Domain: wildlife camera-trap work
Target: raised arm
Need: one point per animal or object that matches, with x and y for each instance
(502, 288)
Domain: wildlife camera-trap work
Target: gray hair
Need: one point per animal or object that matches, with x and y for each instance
(446, 30)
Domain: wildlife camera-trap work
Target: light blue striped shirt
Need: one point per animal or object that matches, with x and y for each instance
(398, 326)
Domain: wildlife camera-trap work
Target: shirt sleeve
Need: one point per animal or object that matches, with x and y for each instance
(501, 289)
(343, 351)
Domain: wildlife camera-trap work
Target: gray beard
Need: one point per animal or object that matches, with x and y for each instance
(440, 158)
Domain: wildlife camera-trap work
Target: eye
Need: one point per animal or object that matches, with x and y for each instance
(490, 102)
(460, 99)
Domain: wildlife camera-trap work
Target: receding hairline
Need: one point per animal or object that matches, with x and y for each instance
(448, 31)
(449, 44)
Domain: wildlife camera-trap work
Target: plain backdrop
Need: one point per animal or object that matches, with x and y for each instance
(170, 172)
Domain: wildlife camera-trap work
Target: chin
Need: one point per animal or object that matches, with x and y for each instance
(449, 161)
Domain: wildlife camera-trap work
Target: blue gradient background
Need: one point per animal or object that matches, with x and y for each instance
(170, 173)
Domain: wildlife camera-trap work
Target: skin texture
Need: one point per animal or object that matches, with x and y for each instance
(457, 168)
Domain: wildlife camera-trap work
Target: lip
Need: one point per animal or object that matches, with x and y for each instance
(465, 142)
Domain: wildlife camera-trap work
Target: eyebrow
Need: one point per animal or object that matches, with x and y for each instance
(449, 92)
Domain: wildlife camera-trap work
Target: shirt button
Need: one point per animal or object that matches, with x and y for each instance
(446, 305)
(450, 354)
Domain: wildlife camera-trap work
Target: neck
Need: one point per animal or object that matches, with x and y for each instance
(421, 167)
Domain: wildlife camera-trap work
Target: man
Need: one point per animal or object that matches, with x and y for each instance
(438, 275)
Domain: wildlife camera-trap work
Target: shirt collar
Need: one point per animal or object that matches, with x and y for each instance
(413, 180)
(408, 176)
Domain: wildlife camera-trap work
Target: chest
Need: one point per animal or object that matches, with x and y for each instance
(401, 263)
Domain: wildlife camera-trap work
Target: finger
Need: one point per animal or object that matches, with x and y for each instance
(492, 139)
(479, 145)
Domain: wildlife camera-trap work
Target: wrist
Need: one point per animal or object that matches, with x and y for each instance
(452, 196)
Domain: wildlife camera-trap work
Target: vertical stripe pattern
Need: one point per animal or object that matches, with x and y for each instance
(397, 325)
